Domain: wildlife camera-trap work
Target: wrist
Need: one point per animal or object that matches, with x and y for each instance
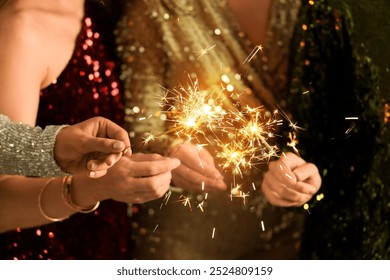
(58, 147)
(86, 191)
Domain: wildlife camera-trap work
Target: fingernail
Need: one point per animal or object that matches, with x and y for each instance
(92, 174)
(127, 151)
(94, 165)
(117, 145)
(221, 185)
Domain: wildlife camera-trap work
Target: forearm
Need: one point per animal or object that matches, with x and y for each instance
(19, 205)
(29, 202)
(27, 150)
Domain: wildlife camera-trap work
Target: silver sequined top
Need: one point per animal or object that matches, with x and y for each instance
(26, 150)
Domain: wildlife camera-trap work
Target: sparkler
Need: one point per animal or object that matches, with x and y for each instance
(191, 112)
(241, 135)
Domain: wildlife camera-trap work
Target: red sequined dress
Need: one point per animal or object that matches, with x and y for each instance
(89, 86)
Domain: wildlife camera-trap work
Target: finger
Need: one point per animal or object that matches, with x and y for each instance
(152, 168)
(308, 173)
(146, 157)
(307, 189)
(193, 158)
(156, 185)
(104, 162)
(194, 177)
(283, 191)
(206, 156)
(282, 173)
(274, 199)
(103, 145)
(190, 179)
(97, 174)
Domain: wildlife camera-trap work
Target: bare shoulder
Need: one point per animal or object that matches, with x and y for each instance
(46, 37)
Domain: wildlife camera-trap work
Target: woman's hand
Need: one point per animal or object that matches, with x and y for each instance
(197, 170)
(134, 179)
(290, 181)
(92, 146)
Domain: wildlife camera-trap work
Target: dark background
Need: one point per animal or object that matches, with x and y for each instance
(372, 27)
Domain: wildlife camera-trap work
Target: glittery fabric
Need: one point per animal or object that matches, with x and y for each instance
(88, 87)
(160, 44)
(27, 150)
(342, 112)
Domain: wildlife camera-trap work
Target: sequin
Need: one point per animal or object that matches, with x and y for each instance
(174, 61)
(28, 150)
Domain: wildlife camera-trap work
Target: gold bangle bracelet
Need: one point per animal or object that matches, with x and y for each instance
(40, 203)
(67, 197)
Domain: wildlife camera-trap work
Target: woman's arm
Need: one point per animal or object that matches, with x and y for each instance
(27, 202)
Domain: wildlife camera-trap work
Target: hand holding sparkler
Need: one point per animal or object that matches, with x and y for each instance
(290, 181)
(137, 179)
(197, 170)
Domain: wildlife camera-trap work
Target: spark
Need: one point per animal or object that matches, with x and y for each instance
(262, 225)
(148, 137)
(200, 146)
(191, 111)
(291, 124)
(155, 228)
(205, 51)
(236, 192)
(185, 201)
(244, 196)
(253, 186)
(352, 118)
(349, 129)
(252, 130)
(253, 53)
(293, 142)
(200, 206)
(166, 199)
(213, 233)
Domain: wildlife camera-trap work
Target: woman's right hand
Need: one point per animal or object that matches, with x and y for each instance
(133, 179)
(197, 171)
(290, 181)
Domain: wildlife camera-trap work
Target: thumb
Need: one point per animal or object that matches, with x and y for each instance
(292, 161)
